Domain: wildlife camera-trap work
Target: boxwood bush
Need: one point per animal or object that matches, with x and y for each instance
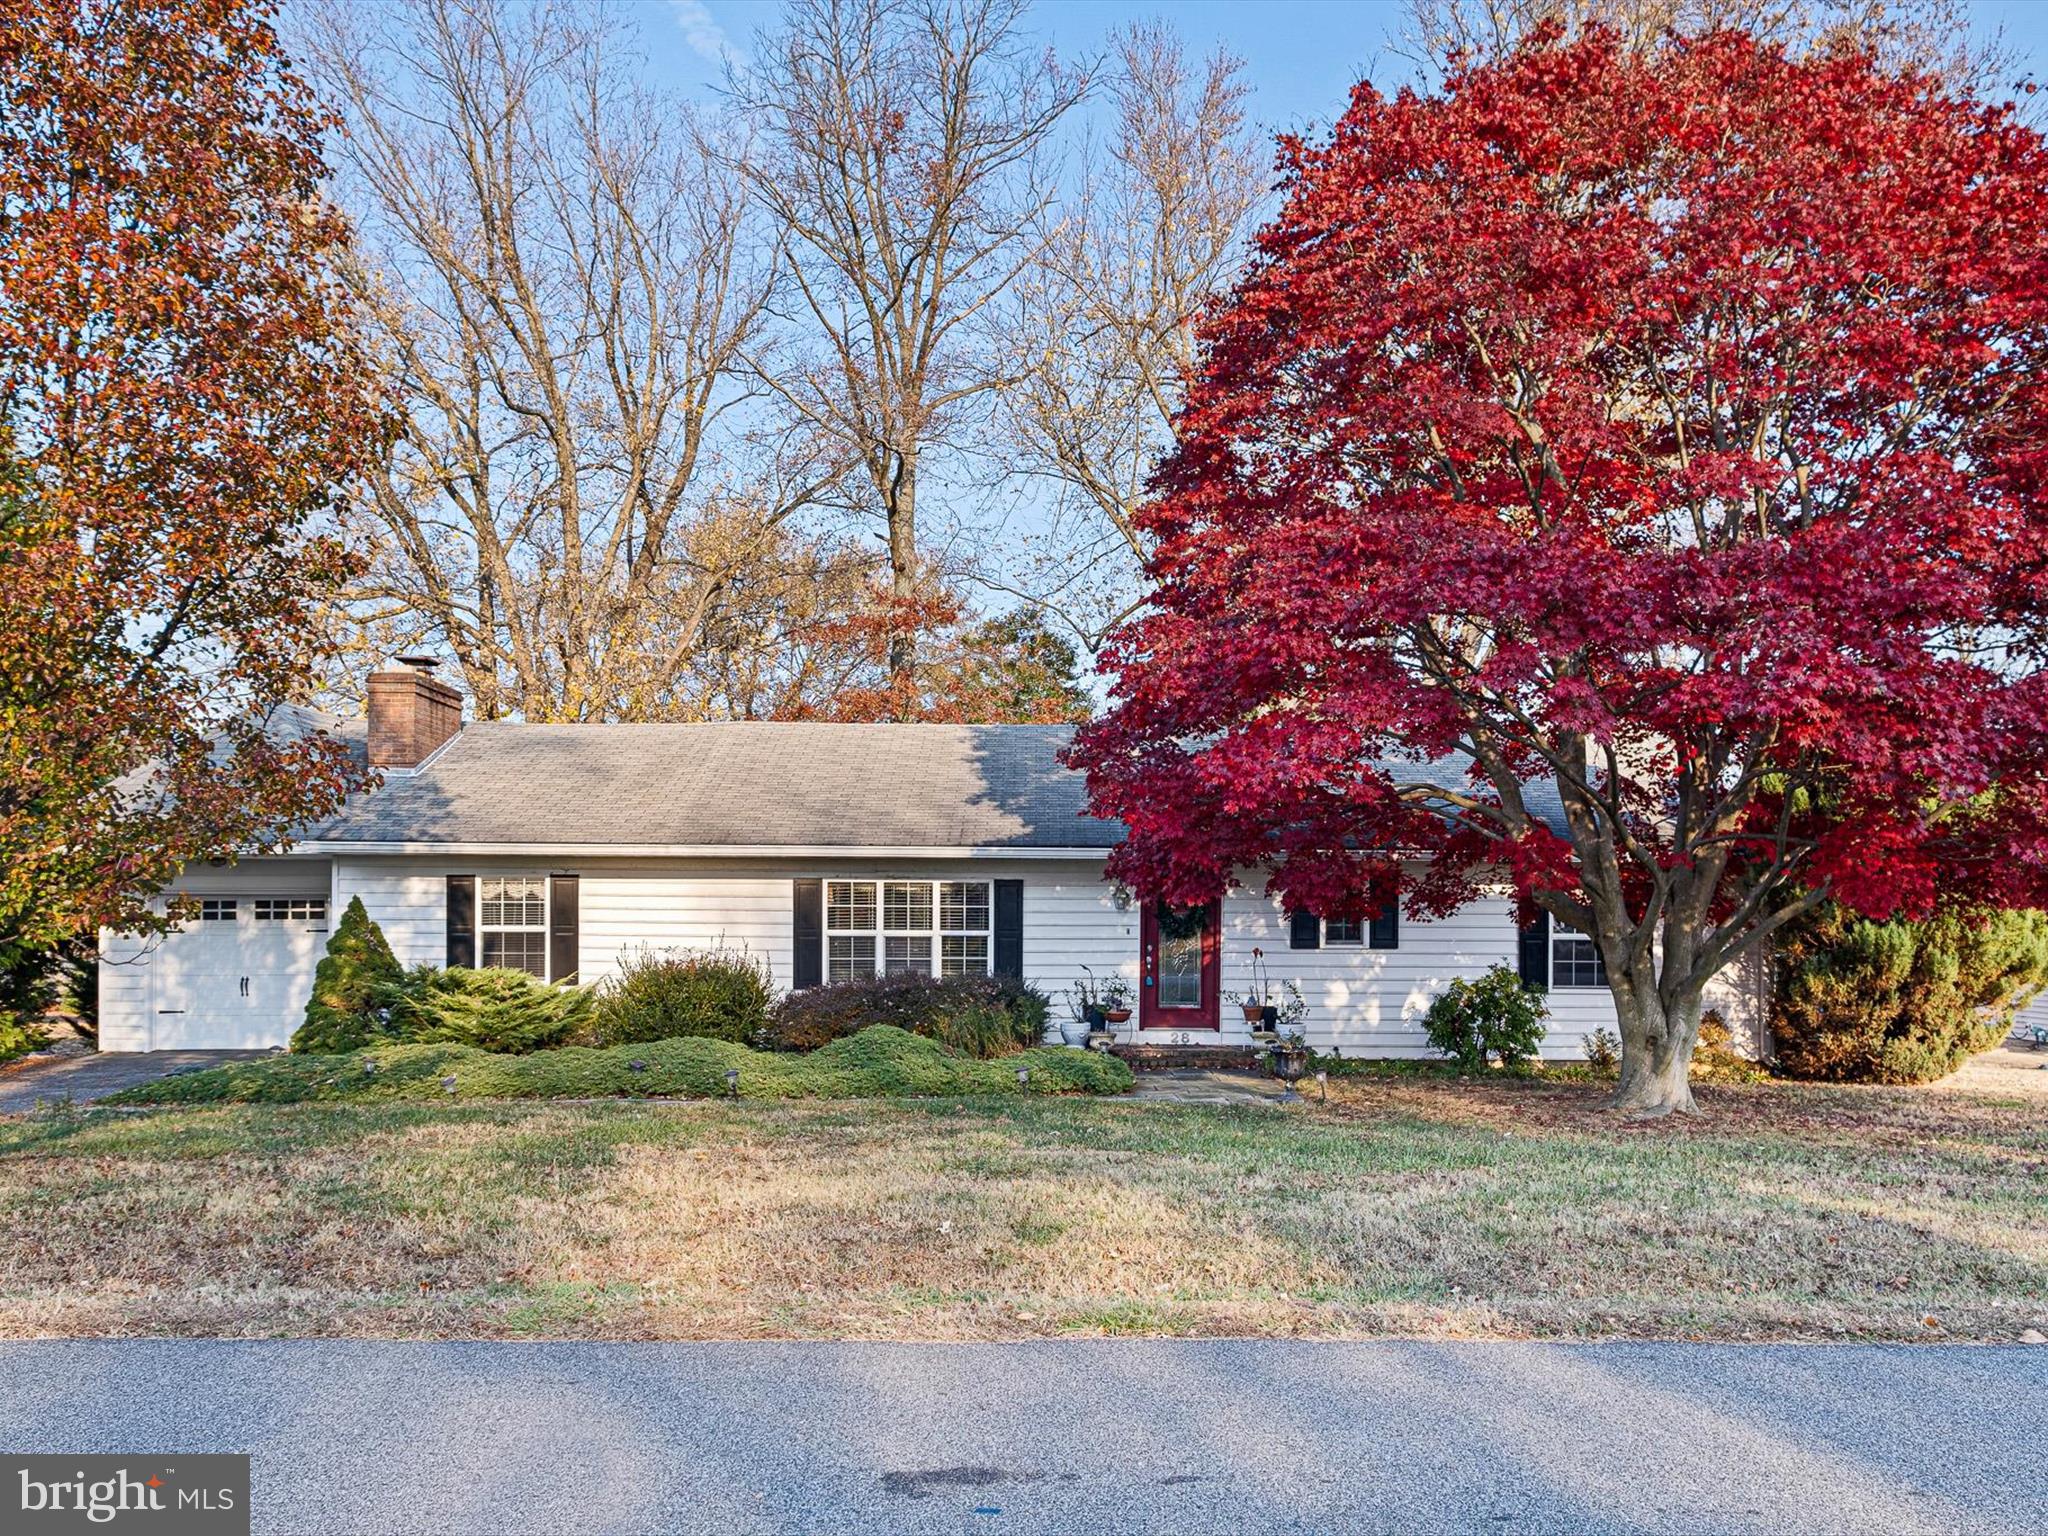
(982, 1016)
(1472, 1021)
(665, 994)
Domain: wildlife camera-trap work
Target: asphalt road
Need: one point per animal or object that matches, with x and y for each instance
(1155, 1436)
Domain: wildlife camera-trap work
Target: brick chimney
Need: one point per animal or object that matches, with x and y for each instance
(412, 713)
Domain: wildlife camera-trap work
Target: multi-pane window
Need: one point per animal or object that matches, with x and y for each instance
(906, 927)
(850, 919)
(903, 926)
(296, 909)
(963, 927)
(1575, 962)
(1383, 932)
(512, 923)
(214, 910)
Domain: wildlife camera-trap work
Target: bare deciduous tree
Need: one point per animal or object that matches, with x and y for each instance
(1106, 317)
(900, 147)
(562, 273)
(1934, 34)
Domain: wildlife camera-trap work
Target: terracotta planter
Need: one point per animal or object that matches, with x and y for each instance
(1254, 1013)
(1117, 1015)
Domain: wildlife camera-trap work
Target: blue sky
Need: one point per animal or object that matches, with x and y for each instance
(1302, 56)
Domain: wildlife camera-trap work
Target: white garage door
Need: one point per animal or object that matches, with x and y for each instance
(237, 976)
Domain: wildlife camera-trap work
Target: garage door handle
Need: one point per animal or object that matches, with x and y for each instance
(170, 1010)
(245, 986)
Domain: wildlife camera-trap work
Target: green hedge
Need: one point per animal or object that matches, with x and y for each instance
(882, 1062)
(660, 995)
(983, 1016)
(490, 1010)
(1901, 1002)
(1473, 1021)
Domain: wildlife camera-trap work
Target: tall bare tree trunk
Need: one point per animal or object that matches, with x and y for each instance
(898, 144)
(900, 501)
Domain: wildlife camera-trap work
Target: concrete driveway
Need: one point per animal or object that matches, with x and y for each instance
(83, 1078)
(1077, 1436)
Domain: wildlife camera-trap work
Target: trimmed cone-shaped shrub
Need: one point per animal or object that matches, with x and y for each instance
(493, 1010)
(1902, 1002)
(352, 990)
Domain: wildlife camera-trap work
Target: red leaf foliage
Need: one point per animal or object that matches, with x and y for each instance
(1666, 431)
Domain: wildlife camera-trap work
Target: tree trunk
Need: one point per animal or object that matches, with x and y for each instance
(1657, 1040)
(901, 499)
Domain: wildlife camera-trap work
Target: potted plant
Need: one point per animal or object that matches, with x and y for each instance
(1114, 999)
(1253, 999)
(1289, 1050)
(1087, 1016)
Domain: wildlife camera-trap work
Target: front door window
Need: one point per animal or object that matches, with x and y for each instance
(1180, 956)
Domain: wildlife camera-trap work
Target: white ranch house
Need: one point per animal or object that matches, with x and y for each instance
(827, 850)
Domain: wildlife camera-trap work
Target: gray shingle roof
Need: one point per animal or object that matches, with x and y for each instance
(738, 784)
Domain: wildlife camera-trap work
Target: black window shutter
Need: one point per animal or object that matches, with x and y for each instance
(1009, 952)
(462, 920)
(565, 933)
(807, 933)
(1304, 931)
(1533, 957)
(1385, 932)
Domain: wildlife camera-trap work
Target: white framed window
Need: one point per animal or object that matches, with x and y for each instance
(852, 917)
(1380, 932)
(903, 927)
(282, 909)
(217, 910)
(1575, 962)
(964, 927)
(512, 923)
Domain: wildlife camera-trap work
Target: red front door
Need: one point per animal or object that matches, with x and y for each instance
(1180, 959)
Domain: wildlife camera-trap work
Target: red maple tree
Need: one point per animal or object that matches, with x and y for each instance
(1620, 474)
(180, 403)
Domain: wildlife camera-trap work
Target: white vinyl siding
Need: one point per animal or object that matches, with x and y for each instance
(1364, 1001)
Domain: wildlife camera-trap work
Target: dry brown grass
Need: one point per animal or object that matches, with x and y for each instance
(1417, 1207)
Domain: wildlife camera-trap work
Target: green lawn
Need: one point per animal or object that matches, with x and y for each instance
(1402, 1207)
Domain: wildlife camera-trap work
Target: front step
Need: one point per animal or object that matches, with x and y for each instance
(1183, 1058)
